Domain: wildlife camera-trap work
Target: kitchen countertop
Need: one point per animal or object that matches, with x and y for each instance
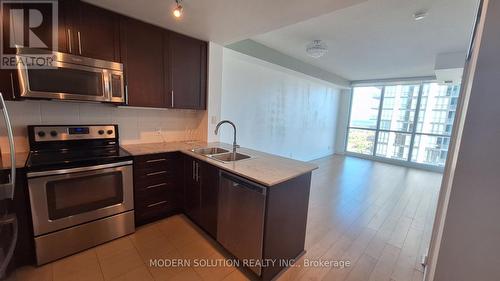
(161, 147)
(264, 168)
(20, 160)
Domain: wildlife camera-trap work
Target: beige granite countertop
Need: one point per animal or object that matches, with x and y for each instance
(20, 160)
(161, 147)
(264, 168)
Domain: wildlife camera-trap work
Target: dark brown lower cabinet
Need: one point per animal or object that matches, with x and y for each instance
(157, 186)
(169, 183)
(201, 193)
(285, 224)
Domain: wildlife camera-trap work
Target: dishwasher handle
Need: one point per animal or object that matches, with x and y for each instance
(239, 182)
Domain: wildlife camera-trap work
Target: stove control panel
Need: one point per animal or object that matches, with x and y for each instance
(66, 133)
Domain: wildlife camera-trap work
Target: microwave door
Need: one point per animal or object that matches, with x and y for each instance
(65, 82)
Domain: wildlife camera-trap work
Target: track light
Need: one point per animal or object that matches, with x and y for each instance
(178, 9)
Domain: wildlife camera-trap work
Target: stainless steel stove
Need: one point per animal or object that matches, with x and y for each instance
(80, 187)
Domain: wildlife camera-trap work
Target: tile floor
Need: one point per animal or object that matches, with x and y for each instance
(128, 258)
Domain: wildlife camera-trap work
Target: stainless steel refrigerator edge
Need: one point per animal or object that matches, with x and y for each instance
(7, 219)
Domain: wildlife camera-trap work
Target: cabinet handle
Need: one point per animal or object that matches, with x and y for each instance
(156, 185)
(172, 94)
(79, 42)
(197, 172)
(156, 173)
(12, 85)
(126, 94)
(156, 160)
(156, 204)
(69, 41)
(194, 170)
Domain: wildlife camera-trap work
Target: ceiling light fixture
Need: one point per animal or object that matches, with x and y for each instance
(316, 49)
(420, 15)
(178, 9)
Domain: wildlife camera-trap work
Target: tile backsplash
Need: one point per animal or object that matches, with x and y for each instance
(136, 125)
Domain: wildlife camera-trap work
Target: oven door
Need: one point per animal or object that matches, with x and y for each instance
(65, 198)
(65, 81)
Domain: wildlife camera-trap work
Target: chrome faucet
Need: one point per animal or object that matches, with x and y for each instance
(234, 136)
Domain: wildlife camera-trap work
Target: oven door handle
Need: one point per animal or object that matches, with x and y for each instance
(75, 170)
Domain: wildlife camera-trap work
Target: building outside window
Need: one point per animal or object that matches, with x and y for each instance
(407, 122)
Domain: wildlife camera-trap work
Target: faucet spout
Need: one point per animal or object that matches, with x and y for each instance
(235, 145)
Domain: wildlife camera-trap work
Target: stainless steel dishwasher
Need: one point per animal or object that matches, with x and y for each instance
(240, 227)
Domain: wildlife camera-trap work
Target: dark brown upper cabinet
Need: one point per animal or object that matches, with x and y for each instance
(142, 49)
(9, 83)
(163, 69)
(188, 72)
(88, 31)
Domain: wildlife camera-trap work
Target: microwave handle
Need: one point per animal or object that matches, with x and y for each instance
(8, 188)
(107, 85)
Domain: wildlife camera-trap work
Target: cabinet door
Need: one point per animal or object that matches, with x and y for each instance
(142, 55)
(209, 180)
(188, 68)
(96, 33)
(66, 12)
(9, 83)
(192, 189)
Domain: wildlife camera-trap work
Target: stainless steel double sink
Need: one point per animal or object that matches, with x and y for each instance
(220, 154)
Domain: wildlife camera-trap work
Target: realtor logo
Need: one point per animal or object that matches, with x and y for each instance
(28, 24)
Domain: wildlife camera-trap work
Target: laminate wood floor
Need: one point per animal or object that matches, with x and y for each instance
(377, 217)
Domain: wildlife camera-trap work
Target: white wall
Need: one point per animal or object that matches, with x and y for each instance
(215, 61)
(277, 110)
(135, 125)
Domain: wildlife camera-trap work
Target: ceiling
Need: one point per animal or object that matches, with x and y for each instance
(379, 39)
(225, 21)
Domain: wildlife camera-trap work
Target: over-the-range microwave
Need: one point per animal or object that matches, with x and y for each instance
(71, 77)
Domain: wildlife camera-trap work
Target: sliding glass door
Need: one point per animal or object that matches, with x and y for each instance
(407, 122)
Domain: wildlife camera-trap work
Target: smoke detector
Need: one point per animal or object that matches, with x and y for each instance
(316, 49)
(420, 15)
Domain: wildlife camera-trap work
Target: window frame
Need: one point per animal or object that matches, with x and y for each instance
(413, 133)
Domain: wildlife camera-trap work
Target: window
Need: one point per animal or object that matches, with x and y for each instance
(407, 122)
(365, 106)
(364, 119)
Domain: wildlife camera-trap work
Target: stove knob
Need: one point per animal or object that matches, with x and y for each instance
(53, 133)
(41, 134)
(101, 132)
(110, 132)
